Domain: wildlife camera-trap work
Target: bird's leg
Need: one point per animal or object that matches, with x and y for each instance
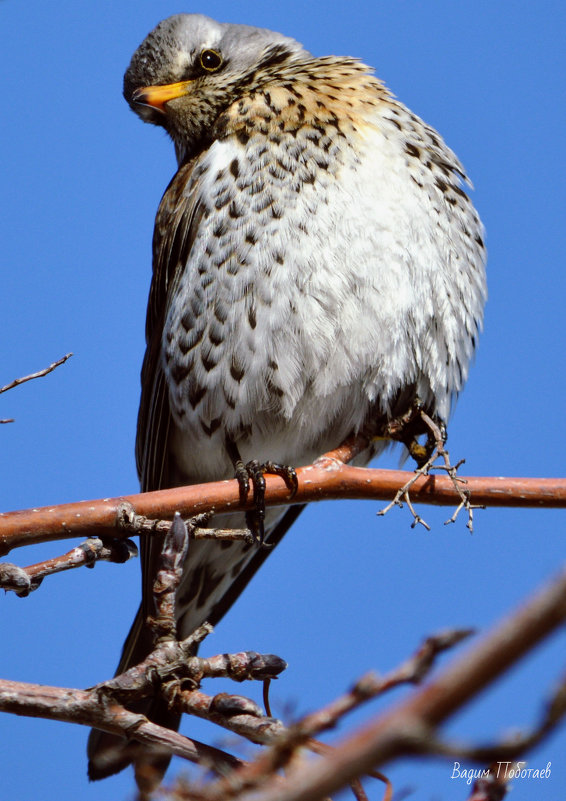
(253, 472)
(437, 435)
(406, 428)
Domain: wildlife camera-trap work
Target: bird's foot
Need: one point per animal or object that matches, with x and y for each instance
(406, 429)
(437, 435)
(253, 472)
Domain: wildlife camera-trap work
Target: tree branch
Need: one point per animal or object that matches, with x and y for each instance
(327, 478)
(84, 707)
(17, 381)
(409, 727)
(40, 373)
(23, 580)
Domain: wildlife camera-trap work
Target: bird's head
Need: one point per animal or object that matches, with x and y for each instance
(190, 68)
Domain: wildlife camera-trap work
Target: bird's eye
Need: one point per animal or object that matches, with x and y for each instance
(210, 60)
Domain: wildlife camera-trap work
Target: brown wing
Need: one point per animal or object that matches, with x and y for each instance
(178, 217)
(176, 223)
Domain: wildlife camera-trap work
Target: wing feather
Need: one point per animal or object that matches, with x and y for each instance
(176, 224)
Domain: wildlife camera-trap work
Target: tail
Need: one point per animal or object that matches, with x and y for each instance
(108, 753)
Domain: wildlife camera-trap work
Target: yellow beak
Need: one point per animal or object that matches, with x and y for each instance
(158, 96)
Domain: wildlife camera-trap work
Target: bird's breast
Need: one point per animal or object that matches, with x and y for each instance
(318, 267)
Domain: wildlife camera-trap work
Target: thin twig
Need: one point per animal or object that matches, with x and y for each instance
(407, 729)
(233, 712)
(508, 750)
(23, 580)
(492, 786)
(317, 747)
(300, 734)
(412, 671)
(128, 520)
(169, 665)
(46, 370)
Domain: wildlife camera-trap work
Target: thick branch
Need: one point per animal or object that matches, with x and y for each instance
(84, 707)
(327, 478)
(409, 726)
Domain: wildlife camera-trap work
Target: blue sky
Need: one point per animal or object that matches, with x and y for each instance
(346, 591)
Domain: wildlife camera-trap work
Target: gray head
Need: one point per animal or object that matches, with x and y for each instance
(190, 68)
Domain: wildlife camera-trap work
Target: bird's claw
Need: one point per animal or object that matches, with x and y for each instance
(253, 472)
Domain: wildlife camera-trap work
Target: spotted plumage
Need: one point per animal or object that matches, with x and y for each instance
(317, 266)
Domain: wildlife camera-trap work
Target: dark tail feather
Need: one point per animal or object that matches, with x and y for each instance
(108, 753)
(240, 583)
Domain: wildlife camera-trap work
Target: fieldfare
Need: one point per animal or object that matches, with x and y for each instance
(317, 268)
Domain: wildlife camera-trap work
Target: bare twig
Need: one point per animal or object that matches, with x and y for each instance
(172, 664)
(410, 728)
(128, 520)
(175, 661)
(506, 751)
(289, 740)
(233, 712)
(358, 790)
(23, 580)
(46, 370)
(162, 664)
(243, 666)
(492, 786)
(370, 686)
(317, 747)
(169, 666)
(244, 717)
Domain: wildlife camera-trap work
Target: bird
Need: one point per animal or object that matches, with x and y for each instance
(318, 268)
